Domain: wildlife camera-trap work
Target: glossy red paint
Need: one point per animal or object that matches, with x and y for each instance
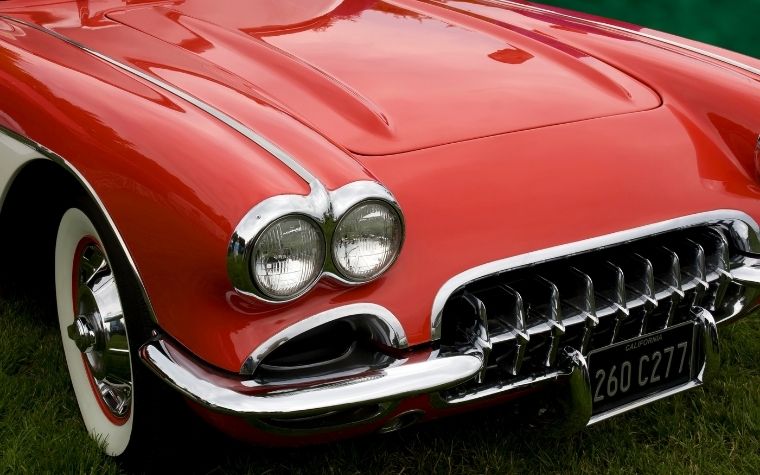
(177, 181)
(343, 70)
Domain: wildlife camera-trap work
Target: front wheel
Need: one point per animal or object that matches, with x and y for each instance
(94, 329)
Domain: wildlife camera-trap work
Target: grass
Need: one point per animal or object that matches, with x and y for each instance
(40, 429)
(713, 429)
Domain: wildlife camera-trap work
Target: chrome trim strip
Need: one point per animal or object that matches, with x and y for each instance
(693, 49)
(565, 250)
(46, 153)
(228, 394)
(386, 322)
(324, 207)
(260, 140)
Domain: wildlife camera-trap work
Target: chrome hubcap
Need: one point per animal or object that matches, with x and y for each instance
(82, 334)
(99, 330)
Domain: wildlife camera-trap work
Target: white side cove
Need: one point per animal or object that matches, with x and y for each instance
(13, 156)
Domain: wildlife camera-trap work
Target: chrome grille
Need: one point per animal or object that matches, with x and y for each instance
(589, 301)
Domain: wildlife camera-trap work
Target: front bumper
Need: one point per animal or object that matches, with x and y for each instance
(423, 373)
(419, 380)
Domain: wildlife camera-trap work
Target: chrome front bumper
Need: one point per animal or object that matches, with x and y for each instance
(431, 370)
(231, 394)
(419, 374)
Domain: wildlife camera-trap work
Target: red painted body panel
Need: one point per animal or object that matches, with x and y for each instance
(177, 181)
(352, 73)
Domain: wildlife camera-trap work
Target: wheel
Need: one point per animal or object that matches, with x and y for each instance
(96, 321)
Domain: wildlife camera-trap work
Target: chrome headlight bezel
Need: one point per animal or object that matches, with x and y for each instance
(325, 208)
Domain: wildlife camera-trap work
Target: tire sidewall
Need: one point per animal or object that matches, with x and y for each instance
(74, 227)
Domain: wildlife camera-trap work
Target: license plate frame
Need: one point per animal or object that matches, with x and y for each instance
(622, 374)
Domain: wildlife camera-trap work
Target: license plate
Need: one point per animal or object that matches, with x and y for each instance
(636, 368)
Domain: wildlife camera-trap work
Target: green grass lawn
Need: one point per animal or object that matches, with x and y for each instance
(714, 429)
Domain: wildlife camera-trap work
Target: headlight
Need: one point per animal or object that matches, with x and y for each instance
(288, 257)
(367, 240)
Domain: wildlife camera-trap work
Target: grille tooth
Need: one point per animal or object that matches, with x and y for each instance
(691, 255)
(610, 298)
(585, 302)
(645, 286)
(577, 305)
(671, 269)
(466, 325)
(553, 317)
(480, 332)
(506, 322)
(544, 324)
(506, 312)
(715, 246)
(464, 315)
(615, 291)
(641, 302)
(697, 268)
(717, 266)
(667, 282)
(587, 307)
(513, 365)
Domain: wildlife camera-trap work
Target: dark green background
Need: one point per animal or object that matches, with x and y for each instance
(732, 24)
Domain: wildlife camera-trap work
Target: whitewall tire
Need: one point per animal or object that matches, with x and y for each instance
(94, 332)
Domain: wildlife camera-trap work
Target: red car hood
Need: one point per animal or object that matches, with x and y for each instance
(386, 77)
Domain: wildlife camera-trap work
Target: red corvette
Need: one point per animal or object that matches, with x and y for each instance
(319, 219)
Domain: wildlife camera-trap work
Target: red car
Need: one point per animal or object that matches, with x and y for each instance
(319, 219)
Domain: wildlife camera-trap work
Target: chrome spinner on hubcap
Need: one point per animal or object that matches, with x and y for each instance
(99, 329)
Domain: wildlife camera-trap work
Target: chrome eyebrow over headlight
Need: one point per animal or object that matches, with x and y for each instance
(286, 244)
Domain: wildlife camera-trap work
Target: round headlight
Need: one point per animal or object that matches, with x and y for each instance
(367, 240)
(288, 257)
